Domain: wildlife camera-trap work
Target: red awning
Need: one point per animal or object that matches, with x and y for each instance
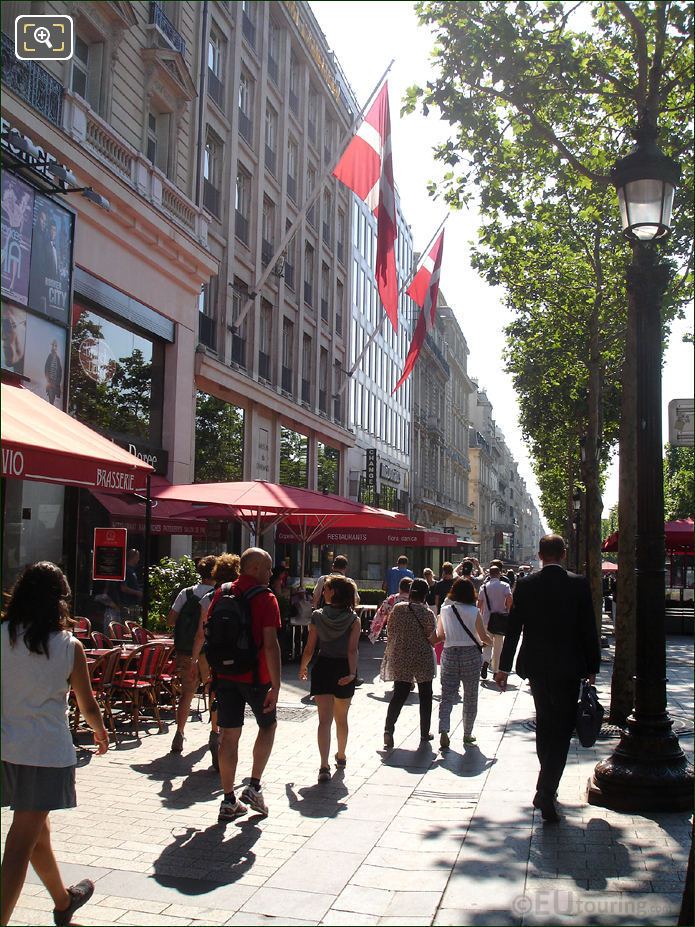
(41, 442)
(678, 537)
(129, 512)
(391, 535)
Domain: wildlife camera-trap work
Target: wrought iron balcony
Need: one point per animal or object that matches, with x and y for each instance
(264, 365)
(215, 89)
(270, 159)
(33, 83)
(289, 275)
(241, 227)
(294, 102)
(340, 252)
(287, 379)
(239, 350)
(292, 188)
(324, 310)
(211, 198)
(306, 390)
(169, 30)
(308, 294)
(267, 249)
(323, 401)
(273, 69)
(338, 324)
(249, 30)
(326, 233)
(245, 127)
(207, 333)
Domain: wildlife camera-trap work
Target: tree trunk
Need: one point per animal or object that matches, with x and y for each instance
(591, 469)
(622, 683)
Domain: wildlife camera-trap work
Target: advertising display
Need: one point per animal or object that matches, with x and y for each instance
(17, 221)
(108, 561)
(44, 359)
(14, 338)
(51, 259)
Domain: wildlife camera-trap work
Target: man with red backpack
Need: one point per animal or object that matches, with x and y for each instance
(242, 649)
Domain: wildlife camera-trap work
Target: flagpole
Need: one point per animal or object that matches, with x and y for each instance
(375, 334)
(309, 203)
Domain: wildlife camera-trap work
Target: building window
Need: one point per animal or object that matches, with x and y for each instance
(271, 136)
(273, 52)
(294, 458)
(248, 21)
(287, 354)
(323, 381)
(309, 275)
(267, 231)
(340, 237)
(240, 295)
(219, 440)
(265, 340)
(313, 114)
(310, 185)
(242, 205)
(85, 79)
(328, 460)
(339, 307)
(325, 291)
(327, 217)
(207, 324)
(294, 84)
(307, 368)
(292, 165)
(212, 173)
(216, 69)
(246, 89)
(158, 139)
(290, 259)
(328, 141)
(337, 395)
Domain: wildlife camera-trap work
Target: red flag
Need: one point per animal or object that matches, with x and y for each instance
(424, 291)
(366, 167)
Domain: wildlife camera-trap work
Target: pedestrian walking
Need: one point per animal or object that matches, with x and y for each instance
(442, 587)
(554, 611)
(494, 596)
(460, 626)
(428, 574)
(184, 617)
(339, 568)
(336, 629)
(378, 627)
(41, 662)
(242, 649)
(394, 576)
(408, 656)
(300, 619)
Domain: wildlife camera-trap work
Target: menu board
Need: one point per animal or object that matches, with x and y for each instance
(108, 562)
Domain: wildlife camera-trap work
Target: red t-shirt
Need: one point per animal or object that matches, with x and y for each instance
(265, 613)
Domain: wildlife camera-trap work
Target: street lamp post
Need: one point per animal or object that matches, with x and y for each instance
(577, 506)
(648, 771)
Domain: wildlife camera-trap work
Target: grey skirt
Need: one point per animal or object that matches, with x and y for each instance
(38, 788)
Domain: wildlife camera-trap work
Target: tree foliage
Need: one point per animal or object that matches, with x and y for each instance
(219, 440)
(679, 482)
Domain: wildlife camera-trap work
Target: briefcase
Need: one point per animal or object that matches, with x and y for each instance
(589, 715)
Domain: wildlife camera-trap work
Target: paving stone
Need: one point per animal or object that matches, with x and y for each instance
(361, 900)
(284, 903)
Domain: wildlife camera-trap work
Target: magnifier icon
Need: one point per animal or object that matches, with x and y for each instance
(43, 35)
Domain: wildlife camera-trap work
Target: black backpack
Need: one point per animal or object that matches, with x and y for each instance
(187, 622)
(230, 647)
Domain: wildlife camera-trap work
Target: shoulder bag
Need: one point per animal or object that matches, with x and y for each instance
(460, 621)
(498, 622)
(589, 715)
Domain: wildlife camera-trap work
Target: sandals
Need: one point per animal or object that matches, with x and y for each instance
(325, 774)
(340, 761)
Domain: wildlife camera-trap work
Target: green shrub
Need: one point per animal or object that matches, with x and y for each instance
(367, 596)
(167, 578)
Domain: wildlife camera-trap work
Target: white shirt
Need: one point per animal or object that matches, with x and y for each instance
(198, 591)
(34, 727)
(497, 592)
(455, 635)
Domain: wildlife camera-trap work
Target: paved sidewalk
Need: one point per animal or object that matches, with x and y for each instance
(412, 837)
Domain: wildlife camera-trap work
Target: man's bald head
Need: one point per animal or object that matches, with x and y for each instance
(257, 563)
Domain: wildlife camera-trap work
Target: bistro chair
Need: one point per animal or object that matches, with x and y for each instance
(118, 631)
(139, 681)
(95, 667)
(101, 641)
(81, 627)
(105, 684)
(140, 635)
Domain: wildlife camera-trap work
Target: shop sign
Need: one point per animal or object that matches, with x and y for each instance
(38, 162)
(370, 479)
(108, 561)
(390, 473)
(97, 359)
(156, 457)
(681, 422)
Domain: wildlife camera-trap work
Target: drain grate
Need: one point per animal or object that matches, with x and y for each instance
(287, 713)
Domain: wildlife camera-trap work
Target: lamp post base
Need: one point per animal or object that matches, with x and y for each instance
(648, 771)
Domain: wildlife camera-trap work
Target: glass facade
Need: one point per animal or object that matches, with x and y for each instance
(294, 458)
(219, 440)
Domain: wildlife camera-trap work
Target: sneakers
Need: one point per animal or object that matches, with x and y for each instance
(325, 774)
(177, 743)
(358, 682)
(230, 810)
(483, 670)
(469, 739)
(214, 745)
(254, 798)
(388, 741)
(444, 740)
(79, 895)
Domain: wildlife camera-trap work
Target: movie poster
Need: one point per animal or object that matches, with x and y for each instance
(17, 219)
(44, 360)
(51, 259)
(14, 337)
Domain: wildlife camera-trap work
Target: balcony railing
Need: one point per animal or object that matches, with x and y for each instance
(162, 22)
(241, 227)
(323, 401)
(339, 250)
(32, 83)
(239, 350)
(267, 250)
(324, 310)
(326, 233)
(287, 379)
(308, 294)
(311, 216)
(245, 127)
(306, 390)
(211, 198)
(249, 30)
(264, 365)
(292, 188)
(337, 409)
(270, 159)
(289, 275)
(215, 89)
(294, 102)
(338, 324)
(273, 69)
(207, 331)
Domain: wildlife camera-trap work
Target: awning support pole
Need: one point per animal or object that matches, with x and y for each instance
(146, 569)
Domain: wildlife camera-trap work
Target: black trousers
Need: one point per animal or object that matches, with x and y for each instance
(556, 712)
(401, 691)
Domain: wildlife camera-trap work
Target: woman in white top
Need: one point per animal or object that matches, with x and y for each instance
(41, 662)
(461, 628)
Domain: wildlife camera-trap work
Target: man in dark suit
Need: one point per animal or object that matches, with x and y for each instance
(560, 647)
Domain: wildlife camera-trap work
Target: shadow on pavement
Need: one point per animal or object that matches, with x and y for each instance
(221, 854)
(322, 800)
(469, 763)
(197, 785)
